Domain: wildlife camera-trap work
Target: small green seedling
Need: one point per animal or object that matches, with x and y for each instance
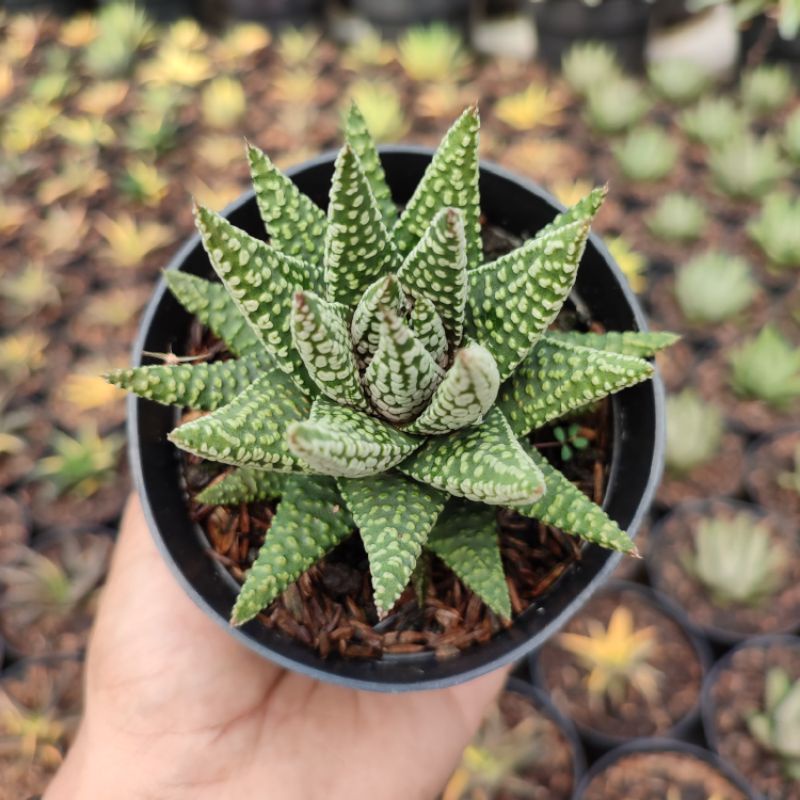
(570, 439)
(616, 105)
(677, 217)
(589, 64)
(713, 121)
(694, 432)
(747, 167)
(776, 230)
(646, 154)
(766, 89)
(777, 727)
(679, 81)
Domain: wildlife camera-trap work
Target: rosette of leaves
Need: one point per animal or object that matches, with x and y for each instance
(776, 727)
(791, 136)
(615, 105)
(766, 89)
(678, 80)
(587, 64)
(646, 154)
(678, 217)
(384, 378)
(746, 167)
(776, 230)
(713, 120)
(694, 432)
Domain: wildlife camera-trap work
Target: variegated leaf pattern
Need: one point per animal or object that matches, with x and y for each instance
(644, 344)
(384, 293)
(242, 485)
(427, 326)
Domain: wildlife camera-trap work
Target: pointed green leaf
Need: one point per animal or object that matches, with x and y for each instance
(358, 137)
(368, 318)
(295, 224)
(644, 344)
(358, 249)
(322, 338)
(585, 209)
(251, 430)
(310, 521)
(402, 376)
(420, 577)
(393, 515)
(437, 269)
(451, 180)
(513, 300)
(344, 442)
(203, 386)
(558, 377)
(427, 326)
(467, 392)
(484, 463)
(215, 308)
(262, 282)
(566, 507)
(466, 539)
(242, 485)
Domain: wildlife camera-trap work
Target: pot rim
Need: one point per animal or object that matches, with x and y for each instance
(416, 678)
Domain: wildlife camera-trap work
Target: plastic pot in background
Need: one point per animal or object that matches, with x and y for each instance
(621, 24)
(599, 742)
(662, 747)
(519, 207)
(709, 703)
(276, 13)
(392, 18)
(761, 41)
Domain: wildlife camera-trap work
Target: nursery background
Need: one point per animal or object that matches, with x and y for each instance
(113, 118)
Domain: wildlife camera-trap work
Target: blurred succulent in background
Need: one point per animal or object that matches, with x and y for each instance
(122, 30)
(694, 431)
(6, 80)
(86, 391)
(27, 291)
(86, 131)
(791, 136)
(736, 559)
(646, 154)
(21, 354)
(223, 103)
(13, 422)
(713, 121)
(143, 183)
(776, 230)
(79, 175)
(679, 81)
(368, 50)
(98, 99)
(714, 286)
(382, 107)
(176, 63)
(128, 242)
(790, 479)
(777, 727)
(22, 32)
(240, 41)
(677, 217)
(296, 46)
(588, 64)
(185, 34)
(51, 86)
(767, 368)
(615, 105)
(26, 125)
(13, 214)
(766, 89)
(632, 264)
(218, 150)
(617, 657)
(537, 105)
(747, 167)
(78, 31)
(432, 53)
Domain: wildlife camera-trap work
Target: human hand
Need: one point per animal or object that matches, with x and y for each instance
(175, 708)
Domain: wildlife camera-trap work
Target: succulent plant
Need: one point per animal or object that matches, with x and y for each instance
(677, 217)
(570, 439)
(223, 102)
(714, 286)
(747, 167)
(13, 423)
(766, 89)
(790, 479)
(736, 559)
(588, 64)
(646, 154)
(767, 368)
(28, 291)
(387, 372)
(713, 121)
(21, 354)
(537, 105)
(632, 263)
(368, 50)
(776, 230)
(128, 243)
(431, 53)
(296, 46)
(777, 727)
(143, 183)
(694, 431)
(791, 136)
(122, 29)
(382, 109)
(616, 657)
(615, 105)
(679, 81)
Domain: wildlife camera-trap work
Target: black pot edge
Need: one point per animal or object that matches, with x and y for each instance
(659, 746)
(656, 467)
(564, 724)
(602, 742)
(722, 638)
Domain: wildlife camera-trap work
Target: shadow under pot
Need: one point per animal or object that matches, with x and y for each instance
(662, 769)
(624, 668)
(524, 749)
(773, 472)
(732, 567)
(747, 714)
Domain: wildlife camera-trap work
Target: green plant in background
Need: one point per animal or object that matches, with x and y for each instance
(85, 132)
(385, 372)
(21, 354)
(369, 50)
(615, 105)
(766, 89)
(432, 53)
(588, 64)
(747, 167)
(714, 286)
(786, 13)
(776, 230)
(537, 105)
(736, 559)
(26, 125)
(678, 80)
(646, 154)
(13, 423)
(143, 183)
(791, 136)
(777, 727)
(382, 108)
(616, 657)
(296, 46)
(694, 431)
(677, 217)
(570, 439)
(82, 464)
(713, 121)
(128, 242)
(223, 103)
(122, 30)
(496, 760)
(28, 291)
(790, 479)
(767, 368)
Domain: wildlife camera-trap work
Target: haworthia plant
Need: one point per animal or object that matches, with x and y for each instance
(382, 379)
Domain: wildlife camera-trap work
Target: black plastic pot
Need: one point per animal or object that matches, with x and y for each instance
(274, 12)
(638, 449)
(622, 24)
(392, 18)
(760, 38)
(597, 742)
(664, 746)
